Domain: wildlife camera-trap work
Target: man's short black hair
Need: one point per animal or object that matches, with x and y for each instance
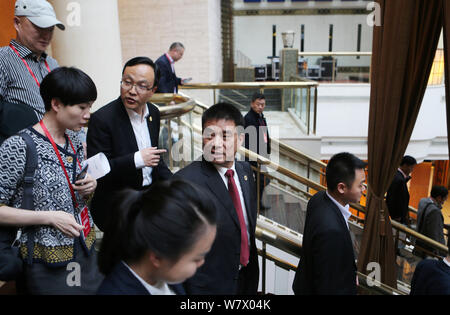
(341, 169)
(144, 61)
(408, 160)
(258, 96)
(223, 111)
(70, 86)
(439, 191)
(176, 45)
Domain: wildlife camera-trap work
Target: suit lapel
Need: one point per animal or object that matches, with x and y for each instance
(126, 128)
(340, 217)
(218, 188)
(151, 124)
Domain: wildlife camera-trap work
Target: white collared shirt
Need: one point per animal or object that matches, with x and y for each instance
(160, 288)
(447, 262)
(142, 135)
(222, 171)
(404, 175)
(172, 62)
(345, 211)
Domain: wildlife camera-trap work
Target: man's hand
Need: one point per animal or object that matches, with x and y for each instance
(151, 156)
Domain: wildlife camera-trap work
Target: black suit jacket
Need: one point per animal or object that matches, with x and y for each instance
(168, 81)
(122, 282)
(220, 272)
(110, 131)
(327, 263)
(261, 147)
(397, 198)
(431, 277)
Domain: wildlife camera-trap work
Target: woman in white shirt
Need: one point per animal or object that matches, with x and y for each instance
(156, 239)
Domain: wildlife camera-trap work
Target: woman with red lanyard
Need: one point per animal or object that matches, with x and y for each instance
(63, 259)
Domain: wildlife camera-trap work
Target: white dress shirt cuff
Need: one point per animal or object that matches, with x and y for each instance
(138, 160)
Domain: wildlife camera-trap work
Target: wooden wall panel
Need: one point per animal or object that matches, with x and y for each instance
(7, 30)
(420, 183)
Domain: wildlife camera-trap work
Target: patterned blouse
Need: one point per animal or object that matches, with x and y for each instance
(51, 192)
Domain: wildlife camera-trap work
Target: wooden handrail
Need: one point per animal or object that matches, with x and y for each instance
(335, 54)
(248, 85)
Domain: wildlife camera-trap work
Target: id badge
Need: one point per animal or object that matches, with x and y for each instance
(265, 137)
(83, 216)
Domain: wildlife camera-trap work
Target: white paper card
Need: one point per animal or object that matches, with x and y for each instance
(98, 165)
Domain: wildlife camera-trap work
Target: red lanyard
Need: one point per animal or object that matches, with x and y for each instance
(61, 161)
(28, 67)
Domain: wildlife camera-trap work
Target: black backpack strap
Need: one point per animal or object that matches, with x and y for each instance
(27, 201)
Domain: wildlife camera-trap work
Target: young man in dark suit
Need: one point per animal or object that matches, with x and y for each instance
(127, 131)
(432, 277)
(397, 197)
(327, 263)
(169, 81)
(258, 140)
(231, 267)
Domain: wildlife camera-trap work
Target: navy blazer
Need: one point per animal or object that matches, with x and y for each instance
(122, 282)
(168, 82)
(397, 198)
(110, 131)
(327, 263)
(220, 272)
(431, 277)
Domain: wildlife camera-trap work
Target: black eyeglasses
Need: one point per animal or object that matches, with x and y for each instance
(140, 88)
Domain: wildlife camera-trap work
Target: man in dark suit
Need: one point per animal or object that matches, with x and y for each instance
(169, 81)
(397, 197)
(127, 131)
(327, 263)
(257, 138)
(231, 267)
(432, 277)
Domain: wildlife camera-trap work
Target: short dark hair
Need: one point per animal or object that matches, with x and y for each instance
(71, 86)
(341, 169)
(439, 191)
(166, 219)
(144, 61)
(408, 160)
(176, 45)
(258, 96)
(223, 111)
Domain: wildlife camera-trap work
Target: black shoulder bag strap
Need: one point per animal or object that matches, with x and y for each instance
(422, 218)
(27, 201)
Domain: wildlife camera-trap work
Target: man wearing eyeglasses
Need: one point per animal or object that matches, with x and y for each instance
(127, 132)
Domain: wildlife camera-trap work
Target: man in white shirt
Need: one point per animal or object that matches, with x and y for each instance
(327, 263)
(127, 132)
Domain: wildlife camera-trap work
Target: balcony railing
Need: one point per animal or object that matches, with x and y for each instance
(353, 67)
(297, 98)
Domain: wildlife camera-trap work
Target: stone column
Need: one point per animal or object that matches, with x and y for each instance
(91, 42)
(289, 67)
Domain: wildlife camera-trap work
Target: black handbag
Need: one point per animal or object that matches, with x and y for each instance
(11, 265)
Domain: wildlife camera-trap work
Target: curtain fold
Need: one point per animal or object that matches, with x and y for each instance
(404, 46)
(446, 25)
